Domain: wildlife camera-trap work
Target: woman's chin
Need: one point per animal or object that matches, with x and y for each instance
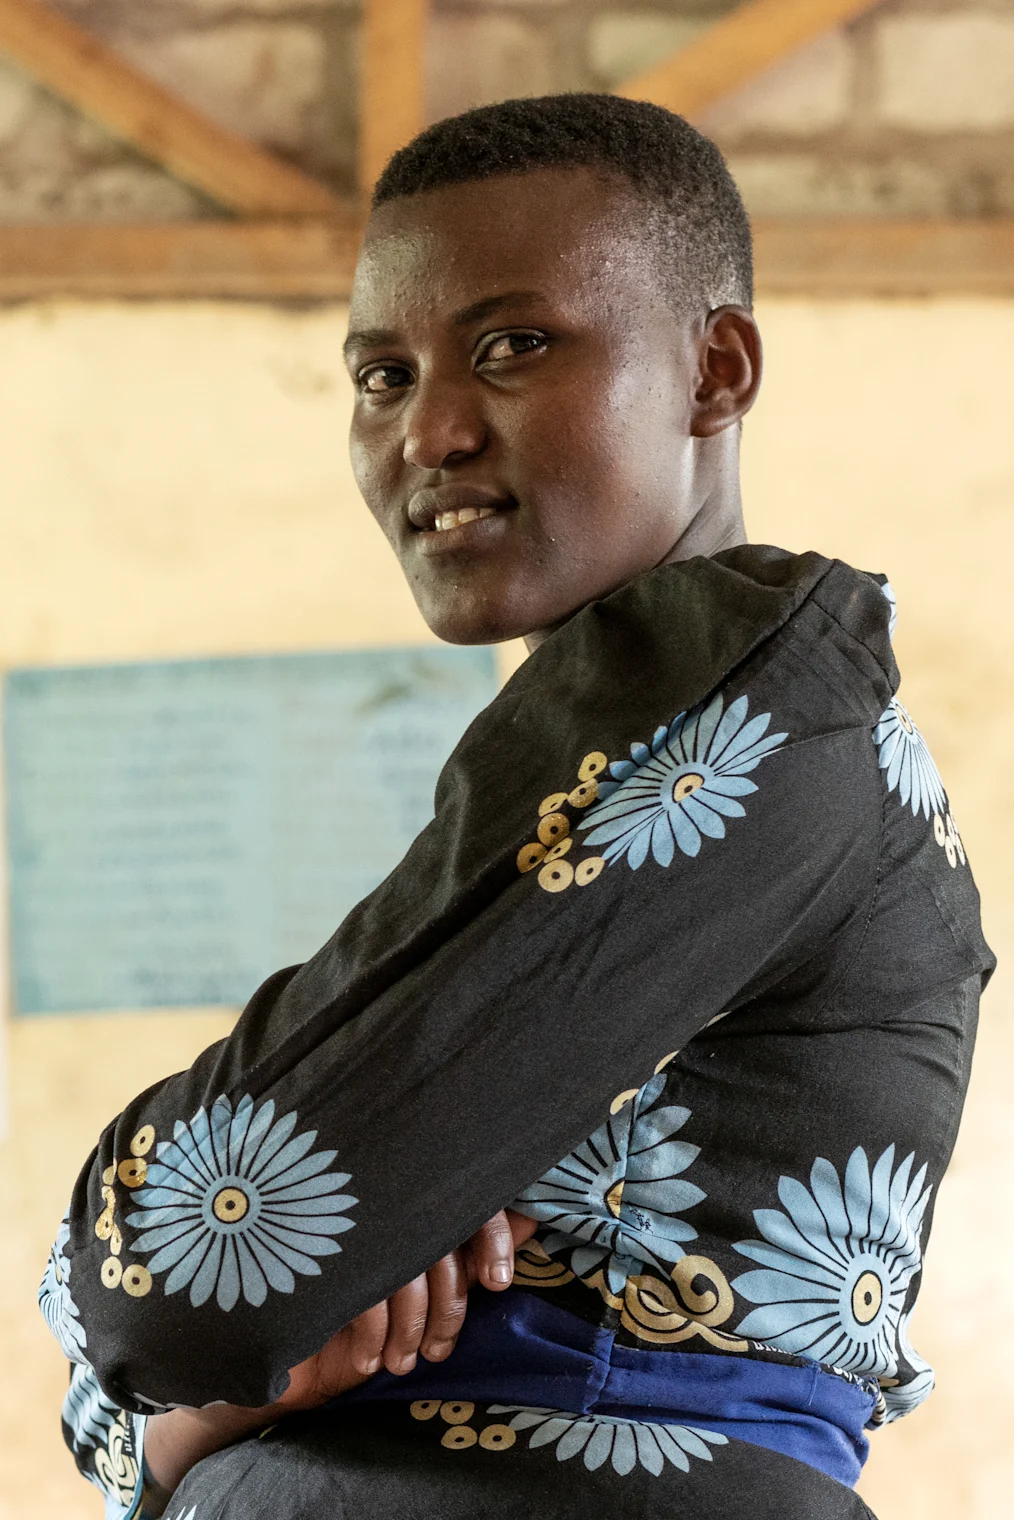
(479, 622)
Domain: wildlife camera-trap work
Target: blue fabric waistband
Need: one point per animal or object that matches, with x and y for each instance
(517, 1349)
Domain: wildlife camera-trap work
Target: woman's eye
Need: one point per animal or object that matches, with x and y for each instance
(509, 345)
(384, 377)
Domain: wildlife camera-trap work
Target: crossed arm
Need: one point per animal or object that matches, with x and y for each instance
(422, 1319)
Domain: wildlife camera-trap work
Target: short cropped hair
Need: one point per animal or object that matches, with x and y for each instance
(695, 214)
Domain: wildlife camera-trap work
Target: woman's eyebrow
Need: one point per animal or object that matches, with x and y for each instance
(369, 337)
(476, 311)
(491, 304)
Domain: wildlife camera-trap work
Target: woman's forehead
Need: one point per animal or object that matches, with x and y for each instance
(558, 235)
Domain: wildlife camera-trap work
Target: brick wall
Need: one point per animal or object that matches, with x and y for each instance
(909, 111)
(280, 71)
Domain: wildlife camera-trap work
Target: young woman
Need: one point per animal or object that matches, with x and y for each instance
(685, 970)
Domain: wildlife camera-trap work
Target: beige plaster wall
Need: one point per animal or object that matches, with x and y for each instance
(174, 481)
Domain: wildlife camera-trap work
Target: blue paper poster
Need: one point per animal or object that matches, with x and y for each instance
(178, 830)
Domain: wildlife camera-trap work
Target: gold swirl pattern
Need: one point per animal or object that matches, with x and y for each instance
(533, 1268)
(115, 1467)
(666, 1313)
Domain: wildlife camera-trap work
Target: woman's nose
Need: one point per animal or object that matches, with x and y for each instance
(444, 425)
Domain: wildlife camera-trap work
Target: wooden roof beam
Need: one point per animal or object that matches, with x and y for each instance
(734, 50)
(77, 67)
(209, 260)
(392, 86)
(310, 260)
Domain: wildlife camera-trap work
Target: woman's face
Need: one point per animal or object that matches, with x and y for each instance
(525, 398)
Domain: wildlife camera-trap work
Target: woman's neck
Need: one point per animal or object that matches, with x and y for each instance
(716, 522)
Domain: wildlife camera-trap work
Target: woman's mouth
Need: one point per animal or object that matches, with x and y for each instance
(438, 509)
(458, 516)
(446, 520)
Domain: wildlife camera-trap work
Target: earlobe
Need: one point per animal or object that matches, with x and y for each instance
(729, 370)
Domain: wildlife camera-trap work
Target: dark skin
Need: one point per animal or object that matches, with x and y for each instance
(514, 345)
(537, 421)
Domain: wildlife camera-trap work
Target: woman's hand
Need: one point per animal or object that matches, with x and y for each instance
(423, 1318)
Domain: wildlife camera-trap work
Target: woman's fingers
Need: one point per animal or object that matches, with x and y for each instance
(407, 1310)
(448, 1289)
(427, 1314)
(491, 1250)
(521, 1227)
(367, 1335)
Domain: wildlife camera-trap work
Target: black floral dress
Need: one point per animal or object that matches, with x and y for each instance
(686, 968)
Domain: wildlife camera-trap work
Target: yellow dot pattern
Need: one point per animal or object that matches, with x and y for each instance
(133, 1172)
(557, 876)
(530, 856)
(553, 828)
(143, 1141)
(554, 839)
(589, 869)
(456, 1412)
(459, 1437)
(497, 1438)
(424, 1409)
(136, 1280)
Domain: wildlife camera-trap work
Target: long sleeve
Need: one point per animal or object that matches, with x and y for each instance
(672, 806)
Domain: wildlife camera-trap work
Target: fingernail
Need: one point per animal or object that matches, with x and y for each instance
(372, 1366)
(405, 1365)
(435, 1351)
(500, 1272)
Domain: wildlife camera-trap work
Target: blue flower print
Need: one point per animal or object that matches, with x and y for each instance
(836, 1265)
(110, 1436)
(887, 590)
(905, 1397)
(625, 1444)
(235, 1204)
(616, 1200)
(904, 755)
(87, 1412)
(684, 784)
(58, 1307)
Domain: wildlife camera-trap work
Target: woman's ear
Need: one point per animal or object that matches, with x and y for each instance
(730, 362)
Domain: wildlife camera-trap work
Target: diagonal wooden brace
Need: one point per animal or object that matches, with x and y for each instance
(734, 50)
(88, 74)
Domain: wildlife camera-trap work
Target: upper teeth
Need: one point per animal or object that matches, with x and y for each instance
(447, 520)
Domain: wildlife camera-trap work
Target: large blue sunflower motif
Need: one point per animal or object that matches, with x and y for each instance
(615, 1201)
(234, 1204)
(904, 754)
(682, 785)
(836, 1266)
(58, 1307)
(625, 1444)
